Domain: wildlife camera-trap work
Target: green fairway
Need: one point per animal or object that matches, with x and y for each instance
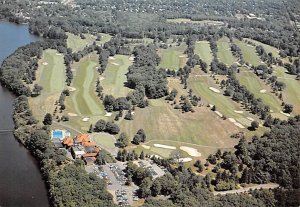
(224, 53)
(254, 84)
(291, 94)
(52, 74)
(104, 139)
(173, 58)
(84, 98)
(202, 48)
(249, 53)
(114, 76)
(77, 44)
(268, 48)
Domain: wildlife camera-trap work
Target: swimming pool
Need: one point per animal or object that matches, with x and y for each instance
(57, 134)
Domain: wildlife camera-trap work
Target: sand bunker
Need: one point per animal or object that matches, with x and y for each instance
(249, 118)
(182, 56)
(263, 91)
(73, 70)
(131, 58)
(72, 114)
(45, 63)
(164, 146)
(186, 159)
(214, 89)
(108, 114)
(232, 120)
(58, 54)
(115, 63)
(145, 146)
(219, 114)
(286, 114)
(111, 58)
(239, 112)
(71, 88)
(101, 78)
(239, 125)
(132, 113)
(85, 119)
(191, 151)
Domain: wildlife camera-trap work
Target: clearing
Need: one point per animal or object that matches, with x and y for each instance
(114, 76)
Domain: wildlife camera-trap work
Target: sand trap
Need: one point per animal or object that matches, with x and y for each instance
(73, 70)
(232, 120)
(239, 112)
(111, 58)
(214, 89)
(85, 119)
(239, 125)
(71, 88)
(182, 56)
(191, 151)
(263, 91)
(58, 54)
(271, 111)
(131, 58)
(101, 78)
(186, 159)
(115, 63)
(249, 118)
(164, 146)
(45, 63)
(72, 114)
(219, 114)
(145, 146)
(132, 113)
(286, 114)
(108, 114)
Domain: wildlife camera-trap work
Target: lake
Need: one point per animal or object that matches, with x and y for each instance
(21, 182)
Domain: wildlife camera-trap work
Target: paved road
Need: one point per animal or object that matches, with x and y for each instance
(242, 190)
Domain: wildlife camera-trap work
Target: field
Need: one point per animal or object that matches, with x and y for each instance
(77, 44)
(224, 53)
(202, 48)
(51, 76)
(254, 84)
(248, 52)
(203, 22)
(173, 58)
(291, 94)
(268, 48)
(114, 76)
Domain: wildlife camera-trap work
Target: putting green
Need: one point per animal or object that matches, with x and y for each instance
(115, 76)
(202, 48)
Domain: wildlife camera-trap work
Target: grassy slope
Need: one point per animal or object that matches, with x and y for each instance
(249, 53)
(268, 48)
(115, 77)
(224, 53)
(52, 78)
(202, 48)
(173, 58)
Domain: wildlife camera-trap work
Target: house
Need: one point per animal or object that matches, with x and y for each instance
(77, 151)
(92, 149)
(82, 138)
(89, 160)
(89, 155)
(68, 142)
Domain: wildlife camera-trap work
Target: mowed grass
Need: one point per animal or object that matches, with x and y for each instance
(254, 84)
(291, 94)
(224, 53)
(104, 139)
(173, 57)
(202, 48)
(203, 22)
(268, 48)
(163, 123)
(84, 100)
(76, 43)
(51, 76)
(249, 53)
(115, 76)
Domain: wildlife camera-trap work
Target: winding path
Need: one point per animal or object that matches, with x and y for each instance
(243, 190)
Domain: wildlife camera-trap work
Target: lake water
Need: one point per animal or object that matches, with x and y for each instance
(21, 183)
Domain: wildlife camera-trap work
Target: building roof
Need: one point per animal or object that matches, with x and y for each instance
(68, 141)
(83, 138)
(89, 144)
(90, 155)
(92, 149)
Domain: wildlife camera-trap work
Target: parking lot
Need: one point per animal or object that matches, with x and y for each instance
(155, 170)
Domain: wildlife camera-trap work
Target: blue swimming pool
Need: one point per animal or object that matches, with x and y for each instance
(57, 134)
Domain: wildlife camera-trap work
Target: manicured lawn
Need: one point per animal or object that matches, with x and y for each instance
(254, 84)
(202, 48)
(84, 98)
(51, 76)
(104, 139)
(115, 76)
(77, 44)
(224, 53)
(268, 48)
(291, 94)
(173, 57)
(249, 53)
